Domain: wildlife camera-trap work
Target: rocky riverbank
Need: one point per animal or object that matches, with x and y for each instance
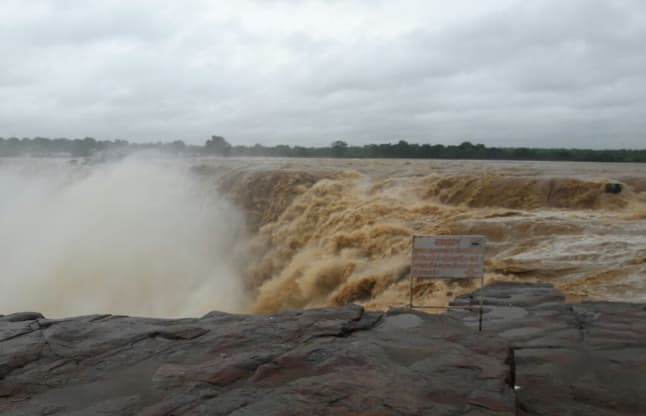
(537, 355)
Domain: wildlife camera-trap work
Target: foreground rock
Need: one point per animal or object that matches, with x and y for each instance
(570, 359)
(563, 359)
(338, 361)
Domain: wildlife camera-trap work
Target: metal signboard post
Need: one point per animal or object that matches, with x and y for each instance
(448, 257)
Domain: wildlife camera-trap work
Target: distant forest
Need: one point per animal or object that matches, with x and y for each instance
(217, 145)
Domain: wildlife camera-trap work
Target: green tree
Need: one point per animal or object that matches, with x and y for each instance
(339, 148)
(217, 145)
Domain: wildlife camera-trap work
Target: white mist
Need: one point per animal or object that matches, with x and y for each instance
(139, 237)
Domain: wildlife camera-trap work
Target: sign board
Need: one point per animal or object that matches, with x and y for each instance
(448, 256)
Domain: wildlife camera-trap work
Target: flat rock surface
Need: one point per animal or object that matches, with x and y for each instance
(537, 355)
(336, 361)
(570, 359)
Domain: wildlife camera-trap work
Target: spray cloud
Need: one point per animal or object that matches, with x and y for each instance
(138, 236)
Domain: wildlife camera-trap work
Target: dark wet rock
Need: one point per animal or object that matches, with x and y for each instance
(564, 359)
(21, 316)
(336, 361)
(613, 188)
(570, 359)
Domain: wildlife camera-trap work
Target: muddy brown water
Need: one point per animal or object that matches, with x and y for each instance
(185, 236)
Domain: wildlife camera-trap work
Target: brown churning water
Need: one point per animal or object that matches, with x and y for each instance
(182, 237)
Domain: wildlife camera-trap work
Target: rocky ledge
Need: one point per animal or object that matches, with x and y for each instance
(537, 355)
(569, 359)
(337, 361)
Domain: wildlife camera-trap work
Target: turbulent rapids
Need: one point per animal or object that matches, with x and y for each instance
(183, 237)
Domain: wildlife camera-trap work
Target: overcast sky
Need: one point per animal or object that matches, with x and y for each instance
(499, 72)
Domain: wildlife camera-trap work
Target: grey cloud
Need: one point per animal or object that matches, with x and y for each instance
(543, 73)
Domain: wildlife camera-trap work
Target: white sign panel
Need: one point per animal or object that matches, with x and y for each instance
(448, 256)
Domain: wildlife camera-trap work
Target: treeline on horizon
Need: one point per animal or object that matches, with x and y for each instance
(218, 146)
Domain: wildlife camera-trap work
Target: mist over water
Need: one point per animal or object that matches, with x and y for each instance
(138, 237)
